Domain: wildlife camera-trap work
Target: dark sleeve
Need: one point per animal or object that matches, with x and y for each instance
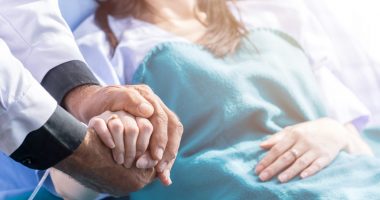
(63, 78)
(62, 133)
(53, 142)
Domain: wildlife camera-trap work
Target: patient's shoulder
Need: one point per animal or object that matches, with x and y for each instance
(277, 34)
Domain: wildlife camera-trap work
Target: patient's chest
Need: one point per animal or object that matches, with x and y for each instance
(260, 89)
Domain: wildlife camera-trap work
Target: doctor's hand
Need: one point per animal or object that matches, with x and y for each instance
(93, 166)
(87, 101)
(305, 149)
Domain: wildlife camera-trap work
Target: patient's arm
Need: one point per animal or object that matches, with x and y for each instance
(307, 148)
(356, 144)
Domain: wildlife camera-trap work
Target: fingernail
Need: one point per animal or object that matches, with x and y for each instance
(111, 144)
(304, 174)
(283, 178)
(145, 108)
(159, 153)
(142, 163)
(259, 168)
(167, 176)
(120, 159)
(162, 166)
(128, 163)
(264, 176)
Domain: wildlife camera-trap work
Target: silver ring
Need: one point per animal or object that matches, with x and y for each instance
(295, 152)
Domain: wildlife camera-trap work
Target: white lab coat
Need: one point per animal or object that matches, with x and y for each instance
(34, 39)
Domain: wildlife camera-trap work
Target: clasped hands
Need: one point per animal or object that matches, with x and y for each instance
(136, 126)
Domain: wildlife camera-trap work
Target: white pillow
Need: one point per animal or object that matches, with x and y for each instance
(75, 11)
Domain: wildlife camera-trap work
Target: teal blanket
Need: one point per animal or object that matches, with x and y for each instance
(228, 106)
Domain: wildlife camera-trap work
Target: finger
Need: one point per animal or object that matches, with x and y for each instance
(175, 132)
(299, 165)
(165, 175)
(159, 136)
(131, 101)
(116, 127)
(271, 141)
(101, 129)
(275, 152)
(316, 166)
(145, 132)
(146, 161)
(131, 132)
(283, 161)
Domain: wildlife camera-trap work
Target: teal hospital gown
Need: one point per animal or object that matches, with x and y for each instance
(228, 106)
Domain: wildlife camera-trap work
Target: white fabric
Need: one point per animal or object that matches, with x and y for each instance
(75, 11)
(137, 38)
(24, 104)
(294, 18)
(354, 31)
(37, 35)
(135, 43)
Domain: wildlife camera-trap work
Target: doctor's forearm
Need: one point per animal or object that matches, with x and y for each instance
(51, 143)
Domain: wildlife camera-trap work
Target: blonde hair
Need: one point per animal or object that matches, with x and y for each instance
(223, 31)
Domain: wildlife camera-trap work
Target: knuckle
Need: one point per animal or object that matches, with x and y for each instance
(146, 126)
(119, 150)
(286, 158)
(264, 162)
(161, 117)
(161, 141)
(97, 120)
(115, 126)
(317, 166)
(171, 155)
(302, 162)
(131, 130)
(145, 87)
(179, 127)
(276, 150)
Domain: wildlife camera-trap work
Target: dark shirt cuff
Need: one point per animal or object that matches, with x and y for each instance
(67, 76)
(53, 142)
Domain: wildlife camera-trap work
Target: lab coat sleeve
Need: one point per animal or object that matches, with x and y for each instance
(33, 129)
(39, 37)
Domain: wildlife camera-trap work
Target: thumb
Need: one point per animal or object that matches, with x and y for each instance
(131, 101)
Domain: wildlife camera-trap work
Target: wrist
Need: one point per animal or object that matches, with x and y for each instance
(351, 138)
(76, 101)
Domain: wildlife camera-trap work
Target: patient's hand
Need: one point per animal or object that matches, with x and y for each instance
(128, 138)
(306, 148)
